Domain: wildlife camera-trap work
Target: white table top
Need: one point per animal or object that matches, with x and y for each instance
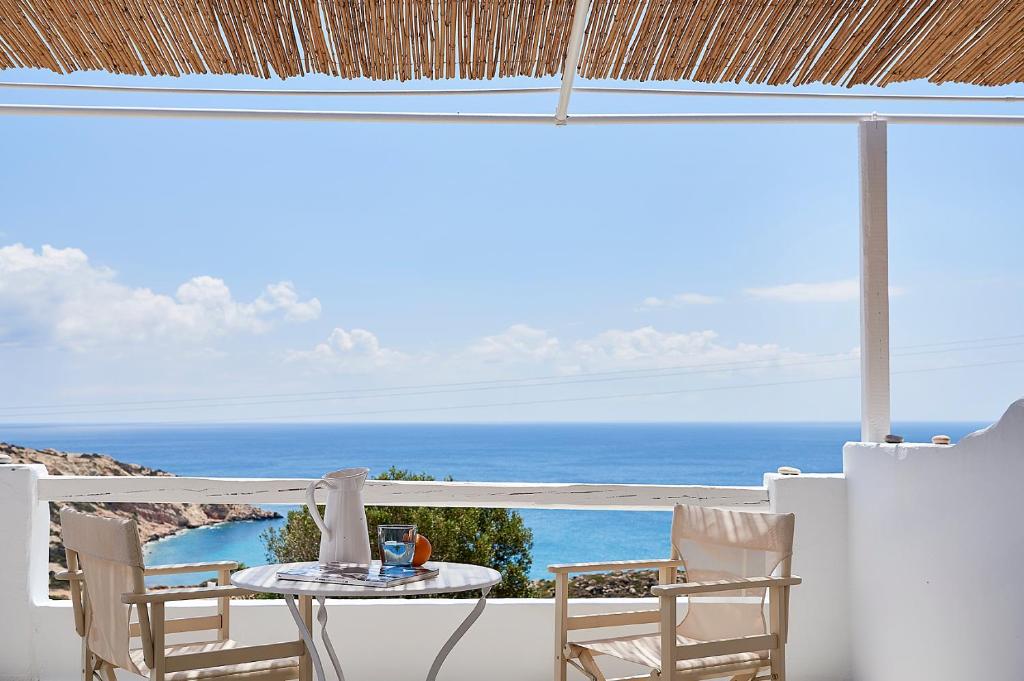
(452, 578)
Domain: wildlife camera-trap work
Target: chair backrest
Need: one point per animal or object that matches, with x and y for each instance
(109, 555)
(718, 544)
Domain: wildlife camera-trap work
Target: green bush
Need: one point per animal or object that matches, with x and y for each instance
(494, 537)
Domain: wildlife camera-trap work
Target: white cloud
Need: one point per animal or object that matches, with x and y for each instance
(518, 342)
(843, 290)
(361, 350)
(678, 300)
(57, 295)
(649, 347)
(644, 347)
(282, 296)
(355, 350)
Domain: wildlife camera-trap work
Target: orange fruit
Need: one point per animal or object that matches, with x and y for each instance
(422, 553)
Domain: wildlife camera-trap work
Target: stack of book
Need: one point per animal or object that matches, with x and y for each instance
(349, 574)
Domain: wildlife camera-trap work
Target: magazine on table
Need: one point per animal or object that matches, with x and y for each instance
(350, 574)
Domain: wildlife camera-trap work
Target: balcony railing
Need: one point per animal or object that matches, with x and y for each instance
(520, 625)
(538, 495)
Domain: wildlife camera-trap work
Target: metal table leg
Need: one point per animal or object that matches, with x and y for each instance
(307, 638)
(321, 617)
(457, 635)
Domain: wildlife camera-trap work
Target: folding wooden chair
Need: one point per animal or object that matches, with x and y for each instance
(106, 573)
(733, 560)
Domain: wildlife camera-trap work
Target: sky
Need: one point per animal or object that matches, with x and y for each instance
(205, 271)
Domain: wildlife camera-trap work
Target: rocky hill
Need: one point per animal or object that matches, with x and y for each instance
(155, 520)
(616, 584)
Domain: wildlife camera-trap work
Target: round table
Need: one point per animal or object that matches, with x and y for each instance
(451, 578)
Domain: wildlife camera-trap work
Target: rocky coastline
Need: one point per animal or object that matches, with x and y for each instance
(155, 521)
(615, 584)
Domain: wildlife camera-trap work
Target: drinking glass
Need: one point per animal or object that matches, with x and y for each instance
(397, 544)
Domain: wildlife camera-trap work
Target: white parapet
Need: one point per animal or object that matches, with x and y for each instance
(391, 640)
(936, 548)
(819, 646)
(909, 560)
(24, 530)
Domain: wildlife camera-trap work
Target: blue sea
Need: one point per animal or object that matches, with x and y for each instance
(684, 453)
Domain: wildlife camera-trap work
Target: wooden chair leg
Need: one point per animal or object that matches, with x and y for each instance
(778, 625)
(157, 620)
(305, 662)
(95, 668)
(224, 607)
(587, 662)
(108, 672)
(86, 662)
(561, 625)
(778, 664)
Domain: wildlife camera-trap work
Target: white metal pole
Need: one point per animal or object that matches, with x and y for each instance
(874, 282)
(572, 59)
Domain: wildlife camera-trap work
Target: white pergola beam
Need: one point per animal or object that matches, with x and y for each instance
(501, 118)
(572, 59)
(282, 92)
(874, 282)
(505, 91)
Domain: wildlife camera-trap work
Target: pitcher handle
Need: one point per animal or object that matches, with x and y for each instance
(311, 505)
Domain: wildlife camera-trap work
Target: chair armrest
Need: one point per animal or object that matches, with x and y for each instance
(183, 594)
(69, 575)
(688, 588)
(179, 568)
(616, 565)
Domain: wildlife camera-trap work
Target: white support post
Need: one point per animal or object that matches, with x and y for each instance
(874, 282)
(572, 59)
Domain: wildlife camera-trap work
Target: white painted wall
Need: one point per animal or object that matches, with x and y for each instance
(936, 548)
(24, 532)
(512, 640)
(819, 647)
(386, 640)
(909, 560)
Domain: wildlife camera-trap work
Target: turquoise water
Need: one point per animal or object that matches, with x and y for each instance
(709, 454)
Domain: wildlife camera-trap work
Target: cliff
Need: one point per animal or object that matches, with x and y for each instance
(155, 520)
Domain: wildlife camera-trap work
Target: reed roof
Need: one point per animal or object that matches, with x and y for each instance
(838, 42)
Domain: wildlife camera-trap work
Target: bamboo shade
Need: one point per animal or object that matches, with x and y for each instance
(838, 42)
(378, 39)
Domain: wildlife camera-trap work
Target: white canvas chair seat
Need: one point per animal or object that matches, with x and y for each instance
(645, 649)
(263, 670)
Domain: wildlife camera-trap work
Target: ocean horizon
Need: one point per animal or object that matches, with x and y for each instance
(717, 453)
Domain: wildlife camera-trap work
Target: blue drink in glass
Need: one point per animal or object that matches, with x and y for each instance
(397, 544)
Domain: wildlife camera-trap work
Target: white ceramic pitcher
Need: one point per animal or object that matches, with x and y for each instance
(343, 533)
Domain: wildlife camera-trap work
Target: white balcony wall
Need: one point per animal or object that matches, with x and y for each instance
(909, 562)
(936, 548)
(819, 638)
(511, 641)
(388, 640)
(24, 530)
